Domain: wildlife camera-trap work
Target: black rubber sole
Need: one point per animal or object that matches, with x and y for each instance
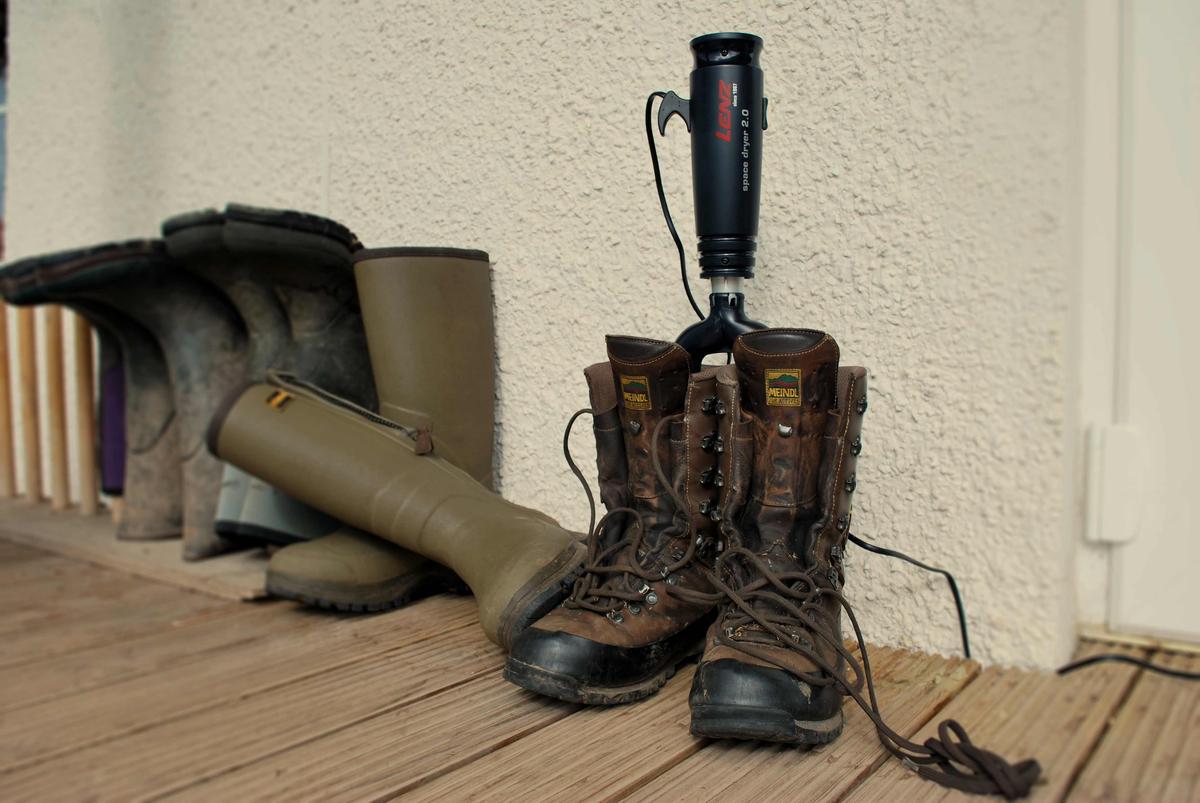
(762, 725)
(568, 689)
(364, 599)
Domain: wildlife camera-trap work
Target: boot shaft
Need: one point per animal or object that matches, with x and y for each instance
(788, 381)
(430, 335)
(651, 381)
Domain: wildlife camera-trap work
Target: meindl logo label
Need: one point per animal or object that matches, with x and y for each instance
(783, 387)
(635, 390)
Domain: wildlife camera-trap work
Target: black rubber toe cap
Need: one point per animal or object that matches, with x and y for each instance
(733, 684)
(583, 661)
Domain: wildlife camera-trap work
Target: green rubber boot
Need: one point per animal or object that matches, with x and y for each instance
(391, 481)
(428, 317)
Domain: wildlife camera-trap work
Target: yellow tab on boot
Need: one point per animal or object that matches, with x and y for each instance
(278, 399)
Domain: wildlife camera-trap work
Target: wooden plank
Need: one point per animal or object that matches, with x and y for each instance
(85, 417)
(257, 657)
(56, 408)
(912, 688)
(31, 449)
(12, 553)
(154, 758)
(1018, 714)
(1152, 749)
(234, 576)
(144, 609)
(8, 472)
(395, 750)
(188, 641)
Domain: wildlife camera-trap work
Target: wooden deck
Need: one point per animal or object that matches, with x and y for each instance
(117, 687)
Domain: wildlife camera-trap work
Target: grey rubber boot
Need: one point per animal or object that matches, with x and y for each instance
(289, 276)
(203, 341)
(390, 480)
(152, 485)
(428, 315)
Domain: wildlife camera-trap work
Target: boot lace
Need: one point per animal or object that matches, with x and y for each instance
(789, 607)
(618, 570)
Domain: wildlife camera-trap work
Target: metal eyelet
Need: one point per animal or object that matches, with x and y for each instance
(635, 427)
(634, 608)
(712, 406)
(712, 442)
(862, 405)
(713, 478)
(843, 523)
(652, 599)
(856, 446)
(851, 484)
(615, 617)
(644, 589)
(785, 431)
(672, 580)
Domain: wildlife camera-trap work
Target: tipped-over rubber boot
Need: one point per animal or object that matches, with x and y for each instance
(428, 315)
(288, 275)
(203, 340)
(152, 486)
(807, 418)
(349, 570)
(110, 413)
(378, 476)
(672, 460)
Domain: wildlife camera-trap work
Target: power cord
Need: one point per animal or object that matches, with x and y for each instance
(1065, 669)
(662, 201)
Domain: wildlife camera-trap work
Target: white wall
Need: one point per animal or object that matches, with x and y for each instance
(918, 188)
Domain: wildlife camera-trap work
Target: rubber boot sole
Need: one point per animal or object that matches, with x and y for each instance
(394, 593)
(569, 689)
(762, 725)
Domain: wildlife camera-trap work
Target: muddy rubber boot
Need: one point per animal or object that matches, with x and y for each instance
(428, 315)
(110, 413)
(807, 419)
(275, 266)
(203, 341)
(389, 480)
(644, 601)
(353, 571)
(152, 485)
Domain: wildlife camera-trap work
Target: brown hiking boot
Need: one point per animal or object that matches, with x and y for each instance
(753, 682)
(666, 453)
(775, 667)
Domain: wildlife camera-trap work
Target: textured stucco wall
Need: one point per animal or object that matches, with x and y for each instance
(916, 196)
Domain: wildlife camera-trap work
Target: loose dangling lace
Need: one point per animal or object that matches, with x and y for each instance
(617, 573)
(788, 605)
(785, 605)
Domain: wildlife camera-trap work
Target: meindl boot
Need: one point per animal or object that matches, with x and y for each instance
(110, 412)
(428, 316)
(751, 682)
(775, 667)
(288, 275)
(151, 484)
(666, 446)
(389, 480)
(202, 339)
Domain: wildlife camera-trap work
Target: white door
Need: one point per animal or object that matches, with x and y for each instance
(1155, 577)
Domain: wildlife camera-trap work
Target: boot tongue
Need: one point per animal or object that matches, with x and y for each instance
(651, 379)
(788, 380)
(787, 373)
